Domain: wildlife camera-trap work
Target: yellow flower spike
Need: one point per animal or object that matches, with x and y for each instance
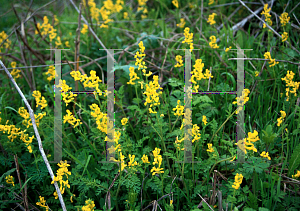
(284, 36)
(9, 180)
(179, 61)
(84, 30)
(213, 41)
(211, 20)
(256, 73)
(181, 24)
(227, 49)
(284, 19)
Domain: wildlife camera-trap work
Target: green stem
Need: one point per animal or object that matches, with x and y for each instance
(222, 126)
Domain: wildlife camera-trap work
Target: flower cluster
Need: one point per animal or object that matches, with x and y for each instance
(175, 3)
(188, 38)
(116, 140)
(157, 160)
(67, 96)
(107, 9)
(10, 180)
(131, 162)
(211, 20)
(15, 72)
(84, 29)
(197, 73)
(7, 43)
(101, 118)
(272, 62)
(252, 137)
(28, 143)
(181, 24)
(284, 36)
(179, 109)
(210, 149)
(279, 120)
(3, 36)
(63, 170)
(213, 41)
(237, 181)
(265, 155)
(178, 142)
(296, 175)
(90, 82)
(266, 12)
(46, 28)
(196, 133)
(121, 157)
(51, 72)
(152, 95)
(142, 7)
(42, 102)
(241, 101)
(10, 129)
(284, 19)
(71, 119)
(227, 49)
(179, 61)
(89, 206)
(290, 84)
(133, 76)
(139, 56)
(42, 203)
(124, 121)
(204, 119)
(145, 159)
(27, 120)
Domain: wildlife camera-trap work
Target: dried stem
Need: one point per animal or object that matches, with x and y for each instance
(37, 136)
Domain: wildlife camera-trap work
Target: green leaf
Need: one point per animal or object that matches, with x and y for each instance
(268, 135)
(295, 160)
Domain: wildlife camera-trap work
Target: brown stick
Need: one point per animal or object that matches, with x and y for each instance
(20, 182)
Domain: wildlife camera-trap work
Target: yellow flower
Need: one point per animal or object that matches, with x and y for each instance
(42, 203)
(179, 61)
(171, 202)
(67, 44)
(133, 76)
(210, 149)
(204, 119)
(71, 119)
(266, 12)
(175, 3)
(125, 15)
(227, 49)
(84, 29)
(240, 101)
(213, 41)
(238, 181)
(188, 38)
(124, 121)
(162, 115)
(181, 24)
(284, 19)
(296, 175)
(89, 205)
(256, 73)
(279, 120)
(210, 2)
(51, 71)
(179, 109)
(233, 159)
(145, 159)
(211, 20)
(284, 36)
(290, 83)
(9, 180)
(265, 155)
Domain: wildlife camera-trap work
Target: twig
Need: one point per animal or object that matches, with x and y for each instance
(259, 59)
(20, 182)
(37, 136)
(108, 192)
(275, 32)
(37, 66)
(209, 79)
(294, 8)
(206, 202)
